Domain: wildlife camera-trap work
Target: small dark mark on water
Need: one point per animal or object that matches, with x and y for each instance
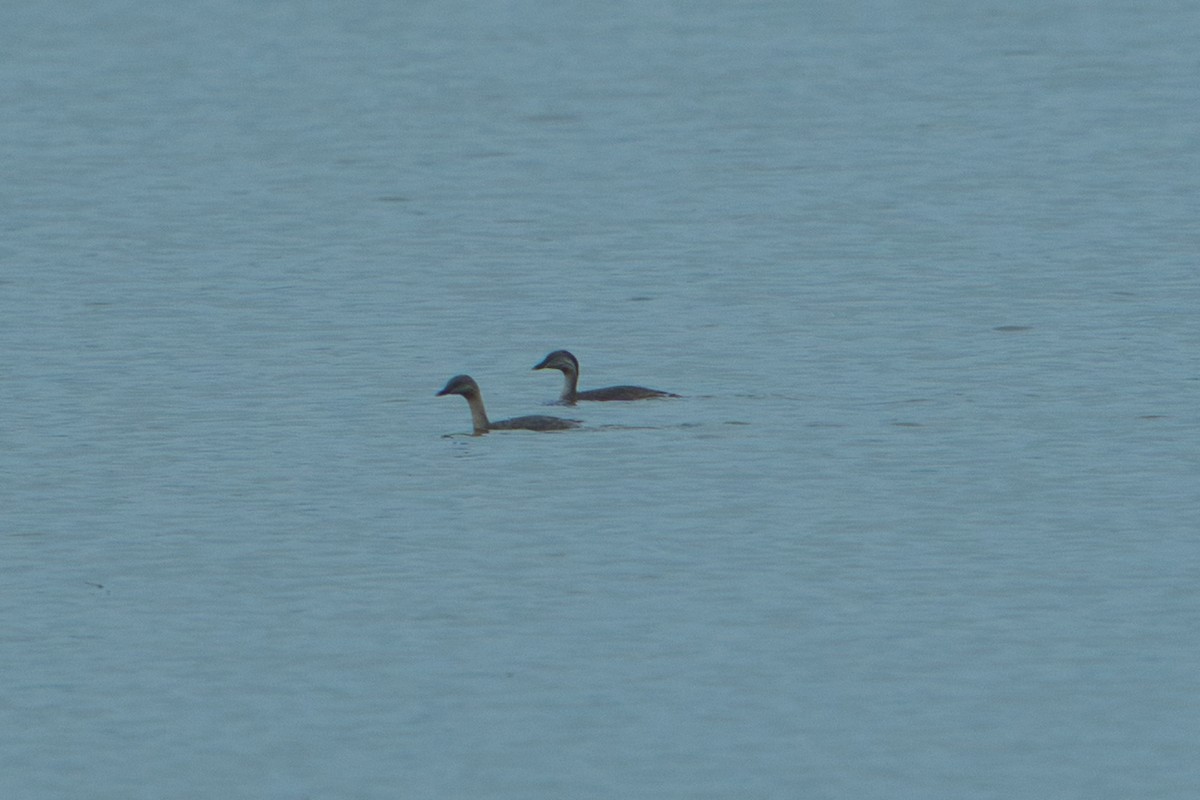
(552, 118)
(908, 425)
(747, 396)
(394, 198)
(624, 428)
(735, 422)
(1153, 416)
(640, 298)
(96, 585)
(910, 401)
(1012, 328)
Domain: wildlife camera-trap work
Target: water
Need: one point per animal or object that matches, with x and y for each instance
(924, 524)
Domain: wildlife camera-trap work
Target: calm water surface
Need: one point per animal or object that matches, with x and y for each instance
(924, 524)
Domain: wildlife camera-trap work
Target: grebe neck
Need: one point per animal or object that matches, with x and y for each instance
(479, 417)
(570, 392)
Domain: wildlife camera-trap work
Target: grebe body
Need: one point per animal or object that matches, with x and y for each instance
(466, 386)
(568, 365)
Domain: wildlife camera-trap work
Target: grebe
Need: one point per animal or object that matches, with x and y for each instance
(569, 366)
(468, 388)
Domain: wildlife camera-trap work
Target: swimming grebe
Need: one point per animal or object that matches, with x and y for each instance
(569, 366)
(468, 388)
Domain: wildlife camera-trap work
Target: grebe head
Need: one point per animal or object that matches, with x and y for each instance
(560, 360)
(460, 384)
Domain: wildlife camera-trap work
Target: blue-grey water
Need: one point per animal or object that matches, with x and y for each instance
(926, 523)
